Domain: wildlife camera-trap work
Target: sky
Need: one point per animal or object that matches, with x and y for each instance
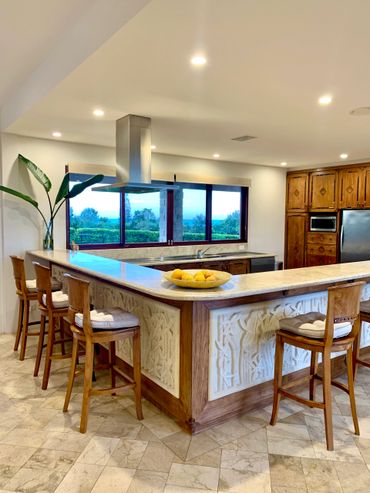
(107, 203)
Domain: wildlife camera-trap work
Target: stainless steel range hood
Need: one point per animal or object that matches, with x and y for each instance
(133, 157)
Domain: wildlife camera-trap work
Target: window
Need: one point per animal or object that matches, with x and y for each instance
(94, 217)
(193, 213)
(226, 206)
(146, 217)
(189, 216)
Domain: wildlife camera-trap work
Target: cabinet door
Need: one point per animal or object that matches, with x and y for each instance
(297, 192)
(313, 260)
(350, 188)
(366, 188)
(323, 191)
(295, 233)
(237, 267)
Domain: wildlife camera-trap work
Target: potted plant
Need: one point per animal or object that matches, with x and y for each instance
(63, 194)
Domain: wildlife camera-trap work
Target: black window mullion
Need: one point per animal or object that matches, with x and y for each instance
(170, 216)
(123, 218)
(209, 213)
(243, 214)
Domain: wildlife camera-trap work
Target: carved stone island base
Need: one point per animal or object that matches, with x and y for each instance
(208, 360)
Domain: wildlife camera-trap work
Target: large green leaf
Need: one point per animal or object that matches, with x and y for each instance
(80, 187)
(20, 195)
(63, 189)
(40, 176)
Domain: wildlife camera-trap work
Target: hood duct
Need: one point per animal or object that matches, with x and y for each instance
(133, 157)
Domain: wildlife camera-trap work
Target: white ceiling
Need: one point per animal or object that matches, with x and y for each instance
(269, 61)
(28, 30)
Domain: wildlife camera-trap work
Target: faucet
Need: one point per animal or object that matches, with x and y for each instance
(200, 253)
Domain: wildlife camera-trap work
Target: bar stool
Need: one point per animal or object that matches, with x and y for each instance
(315, 333)
(27, 292)
(53, 306)
(364, 317)
(103, 326)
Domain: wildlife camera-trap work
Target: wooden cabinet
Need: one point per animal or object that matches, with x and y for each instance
(295, 233)
(323, 191)
(365, 199)
(350, 181)
(235, 267)
(297, 192)
(321, 249)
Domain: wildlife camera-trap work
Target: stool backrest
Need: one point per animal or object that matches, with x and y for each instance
(343, 306)
(79, 302)
(19, 274)
(43, 284)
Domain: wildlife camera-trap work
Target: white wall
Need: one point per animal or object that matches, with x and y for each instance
(22, 227)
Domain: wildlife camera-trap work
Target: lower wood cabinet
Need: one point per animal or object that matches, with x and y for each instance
(321, 249)
(233, 266)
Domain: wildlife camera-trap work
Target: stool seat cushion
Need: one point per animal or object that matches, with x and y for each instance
(109, 318)
(32, 287)
(59, 299)
(313, 325)
(365, 306)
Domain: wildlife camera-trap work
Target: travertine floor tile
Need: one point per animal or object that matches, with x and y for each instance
(233, 481)
(128, 453)
(194, 476)
(286, 446)
(161, 426)
(148, 482)
(35, 480)
(59, 460)
(321, 476)
(114, 480)
(98, 451)
(354, 478)
(157, 457)
(286, 472)
(80, 478)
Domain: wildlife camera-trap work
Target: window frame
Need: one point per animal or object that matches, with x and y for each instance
(244, 202)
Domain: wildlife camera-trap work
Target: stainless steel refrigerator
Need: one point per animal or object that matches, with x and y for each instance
(355, 235)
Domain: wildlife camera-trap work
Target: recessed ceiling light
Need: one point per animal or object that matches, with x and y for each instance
(153, 147)
(325, 99)
(198, 60)
(284, 163)
(98, 112)
(343, 156)
(57, 134)
(216, 155)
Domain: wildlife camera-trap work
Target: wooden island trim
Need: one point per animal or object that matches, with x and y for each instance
(193, 409)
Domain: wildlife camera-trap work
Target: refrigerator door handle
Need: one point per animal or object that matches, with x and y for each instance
(341, 238)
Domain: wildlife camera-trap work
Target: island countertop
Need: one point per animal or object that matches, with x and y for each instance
(150, 281)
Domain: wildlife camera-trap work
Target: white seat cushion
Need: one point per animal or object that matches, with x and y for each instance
(312, 325)
(109, 318)
(31, 285)
(60, 299)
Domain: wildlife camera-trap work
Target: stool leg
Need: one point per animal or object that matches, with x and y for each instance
(327, 400)
(112, 362)
(278, 378)
(89, 363)
(61, 334)
(39, 346)
(49, 352)
(26, 315)
(137, 373)
(72, 374)
(351, 391)
(356, 350)
(20, 324)
(313, 371)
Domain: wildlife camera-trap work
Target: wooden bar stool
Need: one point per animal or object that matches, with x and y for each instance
(27, 292)
(104, 326)
(53, 306)
(315, 333)
(364, 317)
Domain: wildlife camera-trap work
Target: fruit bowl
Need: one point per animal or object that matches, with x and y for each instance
(218, 279)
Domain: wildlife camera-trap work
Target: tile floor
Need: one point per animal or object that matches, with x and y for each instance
(41, 449)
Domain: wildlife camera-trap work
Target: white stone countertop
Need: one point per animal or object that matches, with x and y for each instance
(150, 281)
(148, 261)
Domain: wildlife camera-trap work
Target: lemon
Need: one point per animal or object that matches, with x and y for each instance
(186, 276)
(199, 276)
(177, 274)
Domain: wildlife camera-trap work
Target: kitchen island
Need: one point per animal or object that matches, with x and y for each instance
(208, 354)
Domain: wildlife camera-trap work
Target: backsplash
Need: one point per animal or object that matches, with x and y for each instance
(122, 253)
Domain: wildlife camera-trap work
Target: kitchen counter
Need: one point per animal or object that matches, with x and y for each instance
(182, 259)
(208, 355)
(152, 282)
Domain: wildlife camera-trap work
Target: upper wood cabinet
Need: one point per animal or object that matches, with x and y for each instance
(365, 201)
(323, 191)
(350, 184)
(297, 192)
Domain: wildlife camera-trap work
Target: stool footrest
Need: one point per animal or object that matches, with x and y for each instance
(301, 400)
(121, 373)
(112, 390)
(363, 363)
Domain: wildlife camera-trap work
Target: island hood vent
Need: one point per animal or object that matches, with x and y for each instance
(133, 157)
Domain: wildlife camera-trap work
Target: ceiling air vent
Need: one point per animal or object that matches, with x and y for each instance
(243, 138)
